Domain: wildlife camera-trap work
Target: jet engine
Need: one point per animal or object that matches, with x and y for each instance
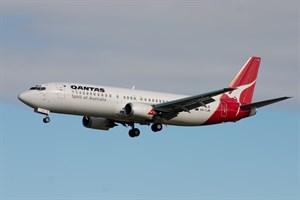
(139, 111)
(253, 112)
(97, 123)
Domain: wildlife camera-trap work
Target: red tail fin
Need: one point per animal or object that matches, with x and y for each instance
(245, 81)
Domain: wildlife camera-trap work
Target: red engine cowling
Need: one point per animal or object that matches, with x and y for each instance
(97, 123)
(139, 111)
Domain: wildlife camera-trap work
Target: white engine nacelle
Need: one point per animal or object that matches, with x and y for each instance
(139, 111)
(253, 112)
(97, 123)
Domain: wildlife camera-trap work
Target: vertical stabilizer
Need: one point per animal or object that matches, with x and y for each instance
(245, 81)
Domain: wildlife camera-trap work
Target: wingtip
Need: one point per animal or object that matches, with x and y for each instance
(287, 97)
(283, 98)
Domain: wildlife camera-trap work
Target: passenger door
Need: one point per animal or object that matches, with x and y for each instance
(61, 90)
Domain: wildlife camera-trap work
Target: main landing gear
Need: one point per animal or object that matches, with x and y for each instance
(134, 132)
(156, 127)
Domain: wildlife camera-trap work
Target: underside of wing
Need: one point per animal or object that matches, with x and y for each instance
(171, 109)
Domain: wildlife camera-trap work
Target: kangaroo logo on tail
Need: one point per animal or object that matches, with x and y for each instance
(244, 82)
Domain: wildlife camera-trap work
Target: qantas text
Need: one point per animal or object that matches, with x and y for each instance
(92, 89)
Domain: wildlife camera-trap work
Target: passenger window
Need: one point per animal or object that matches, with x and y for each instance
(110, 95)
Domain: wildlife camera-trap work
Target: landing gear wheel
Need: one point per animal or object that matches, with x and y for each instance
(156, 127)
(134, 132)
(131, 133)
(46, 120)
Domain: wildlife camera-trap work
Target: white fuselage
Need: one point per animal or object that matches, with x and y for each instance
(108, 102)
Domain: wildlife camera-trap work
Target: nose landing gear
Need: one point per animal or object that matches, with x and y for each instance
(46, 119)
(44, 112)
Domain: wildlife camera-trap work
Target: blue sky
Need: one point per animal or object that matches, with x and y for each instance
(186, 47)
(256, 158)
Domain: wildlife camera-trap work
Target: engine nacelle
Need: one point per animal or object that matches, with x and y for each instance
(253, 112)
(97, 123)
(139, 111)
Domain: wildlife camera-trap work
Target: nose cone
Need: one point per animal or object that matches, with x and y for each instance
(24, 97)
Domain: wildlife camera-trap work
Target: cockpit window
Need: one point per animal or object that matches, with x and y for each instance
(38, 87)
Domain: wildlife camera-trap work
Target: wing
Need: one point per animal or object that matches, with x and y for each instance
(171, 109)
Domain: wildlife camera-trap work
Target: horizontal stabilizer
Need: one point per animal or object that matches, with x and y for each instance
(262, 103)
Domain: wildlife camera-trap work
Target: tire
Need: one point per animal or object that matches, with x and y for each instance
(156, 127)
(46, 120)
(134, 132)
(131, 133)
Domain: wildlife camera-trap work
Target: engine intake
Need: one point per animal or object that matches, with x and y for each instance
(253, 112)
(139, 111)
(97, 123)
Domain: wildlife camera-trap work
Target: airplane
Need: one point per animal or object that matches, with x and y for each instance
(104, 107)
